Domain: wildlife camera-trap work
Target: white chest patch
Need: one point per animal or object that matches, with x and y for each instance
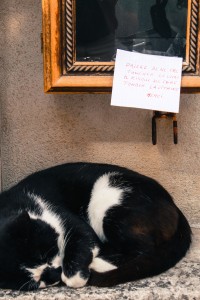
(103, 197)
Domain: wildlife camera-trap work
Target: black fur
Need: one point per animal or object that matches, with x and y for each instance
(145, 235)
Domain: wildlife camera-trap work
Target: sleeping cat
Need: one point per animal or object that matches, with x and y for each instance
(85, 223)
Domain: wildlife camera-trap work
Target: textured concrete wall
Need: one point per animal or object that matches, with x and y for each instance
(41, 130)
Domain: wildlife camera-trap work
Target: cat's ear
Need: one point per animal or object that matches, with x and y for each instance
(20, 226)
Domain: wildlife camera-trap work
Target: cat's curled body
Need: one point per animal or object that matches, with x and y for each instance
(85, 223)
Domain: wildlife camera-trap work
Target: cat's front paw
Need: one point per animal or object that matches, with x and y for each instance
(75, 281)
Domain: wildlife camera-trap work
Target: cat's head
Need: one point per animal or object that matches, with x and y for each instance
(28, 253)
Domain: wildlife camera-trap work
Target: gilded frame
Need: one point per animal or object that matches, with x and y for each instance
(63, 74)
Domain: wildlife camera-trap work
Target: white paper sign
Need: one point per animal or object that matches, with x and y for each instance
(147, 81)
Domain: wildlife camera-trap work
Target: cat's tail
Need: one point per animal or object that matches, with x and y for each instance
(146, 265)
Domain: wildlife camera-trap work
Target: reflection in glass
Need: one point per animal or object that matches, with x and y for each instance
(152, 27)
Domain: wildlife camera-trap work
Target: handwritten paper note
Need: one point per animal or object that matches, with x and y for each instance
(147, 81)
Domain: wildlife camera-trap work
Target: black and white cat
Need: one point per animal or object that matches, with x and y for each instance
(84, 223)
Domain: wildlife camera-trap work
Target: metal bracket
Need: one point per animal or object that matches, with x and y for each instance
(164, 115)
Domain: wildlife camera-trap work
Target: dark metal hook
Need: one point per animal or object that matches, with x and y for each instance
(164, 115)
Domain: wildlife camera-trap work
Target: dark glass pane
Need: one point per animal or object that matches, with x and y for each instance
(153, 27)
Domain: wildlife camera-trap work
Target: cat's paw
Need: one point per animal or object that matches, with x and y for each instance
(75, 281)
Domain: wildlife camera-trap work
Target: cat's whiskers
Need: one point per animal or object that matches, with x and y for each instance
(33, 285)
(28, 282)
(66, 241)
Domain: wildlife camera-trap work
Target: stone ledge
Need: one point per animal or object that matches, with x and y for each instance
(180, 282)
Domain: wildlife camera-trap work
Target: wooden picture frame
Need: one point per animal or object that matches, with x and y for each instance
(64, 74)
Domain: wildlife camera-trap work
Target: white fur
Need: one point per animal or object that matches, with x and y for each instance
(75, 281)
(95, 251)
(103, 197)
(49, 217)
(56, 262)
(37, 272)
(100, 265)
(42, 285)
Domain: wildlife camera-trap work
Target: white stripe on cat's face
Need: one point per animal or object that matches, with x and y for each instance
(36, 273)
(103, 197)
